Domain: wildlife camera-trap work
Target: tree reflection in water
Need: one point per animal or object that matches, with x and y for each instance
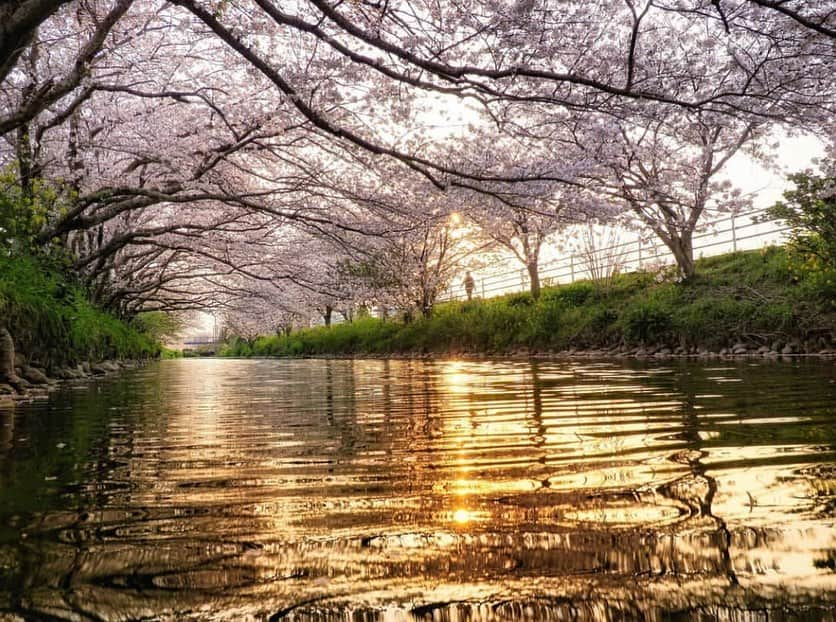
(402, 490)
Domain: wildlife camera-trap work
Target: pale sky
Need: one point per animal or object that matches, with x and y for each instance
(794, 154)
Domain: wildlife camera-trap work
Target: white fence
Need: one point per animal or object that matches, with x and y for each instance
(746, 231)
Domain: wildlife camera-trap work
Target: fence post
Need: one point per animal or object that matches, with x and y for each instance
(572, 267)
(639, 243)
(483, 287)
(733, 235)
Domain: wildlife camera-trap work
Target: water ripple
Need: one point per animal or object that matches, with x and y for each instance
(413, 490)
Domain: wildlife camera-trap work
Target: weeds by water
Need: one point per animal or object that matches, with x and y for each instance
(51, 318)
(760, 297)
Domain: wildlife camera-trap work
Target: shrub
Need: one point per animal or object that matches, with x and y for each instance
(519, 300)
(650, 320)
(810, 210)
(574, 295)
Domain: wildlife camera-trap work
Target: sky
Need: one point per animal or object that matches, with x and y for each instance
(794, 154)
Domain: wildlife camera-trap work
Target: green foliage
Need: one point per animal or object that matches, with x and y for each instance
(52, 320)
(23, 214)
(769, 266)
(648, 321)
(519, 300)
(157, 325)
(363, 335)
(760, 294)
(810, 210)
(43, 306)
(819, 286)
(573, 295)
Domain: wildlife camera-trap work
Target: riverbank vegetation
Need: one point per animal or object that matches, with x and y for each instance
(760, 299)
(54, 315)
(53, 322)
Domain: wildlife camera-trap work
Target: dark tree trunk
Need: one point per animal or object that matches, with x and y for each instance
(682, 247)
(25, 162)
(534, 278)
(20, 19)
(426, 305)
(326, 316)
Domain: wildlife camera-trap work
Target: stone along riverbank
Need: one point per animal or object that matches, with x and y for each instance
(22, 379)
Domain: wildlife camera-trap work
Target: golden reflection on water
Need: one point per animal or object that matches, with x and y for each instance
(411, 488)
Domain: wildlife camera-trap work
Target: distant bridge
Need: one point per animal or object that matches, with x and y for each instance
(200, 347)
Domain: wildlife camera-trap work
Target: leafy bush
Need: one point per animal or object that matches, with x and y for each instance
(157, 325)
(819, 286)
(22, 215)
(810, 210)
(648, 321)
(519, 300)
(601, 322)
(574, 295)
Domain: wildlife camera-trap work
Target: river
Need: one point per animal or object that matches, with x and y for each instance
(209, 489)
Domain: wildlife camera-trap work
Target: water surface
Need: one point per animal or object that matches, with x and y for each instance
(416, 490)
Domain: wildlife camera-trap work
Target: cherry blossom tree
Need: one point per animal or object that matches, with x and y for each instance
(667, 169)
(42, 69)
(202, 152)
(521, 218)
(580, 54)
(409, 271)
(631, 59)
(265, 312)
(165, 170)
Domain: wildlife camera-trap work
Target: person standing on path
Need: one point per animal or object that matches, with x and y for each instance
(469, 284)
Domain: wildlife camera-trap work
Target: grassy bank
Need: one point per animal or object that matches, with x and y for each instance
(52, 321)
(760, 298)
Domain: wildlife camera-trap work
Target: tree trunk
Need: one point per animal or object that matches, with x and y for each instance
(534, 277)
(20, 22)
(25, 165)
(426, 304)
(326, 317)
(682, 248)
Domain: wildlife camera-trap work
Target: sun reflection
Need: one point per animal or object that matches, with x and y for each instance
(462, 516)
(456, 378)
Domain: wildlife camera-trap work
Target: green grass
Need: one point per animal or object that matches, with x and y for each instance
(53, 322)
(759, 297)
